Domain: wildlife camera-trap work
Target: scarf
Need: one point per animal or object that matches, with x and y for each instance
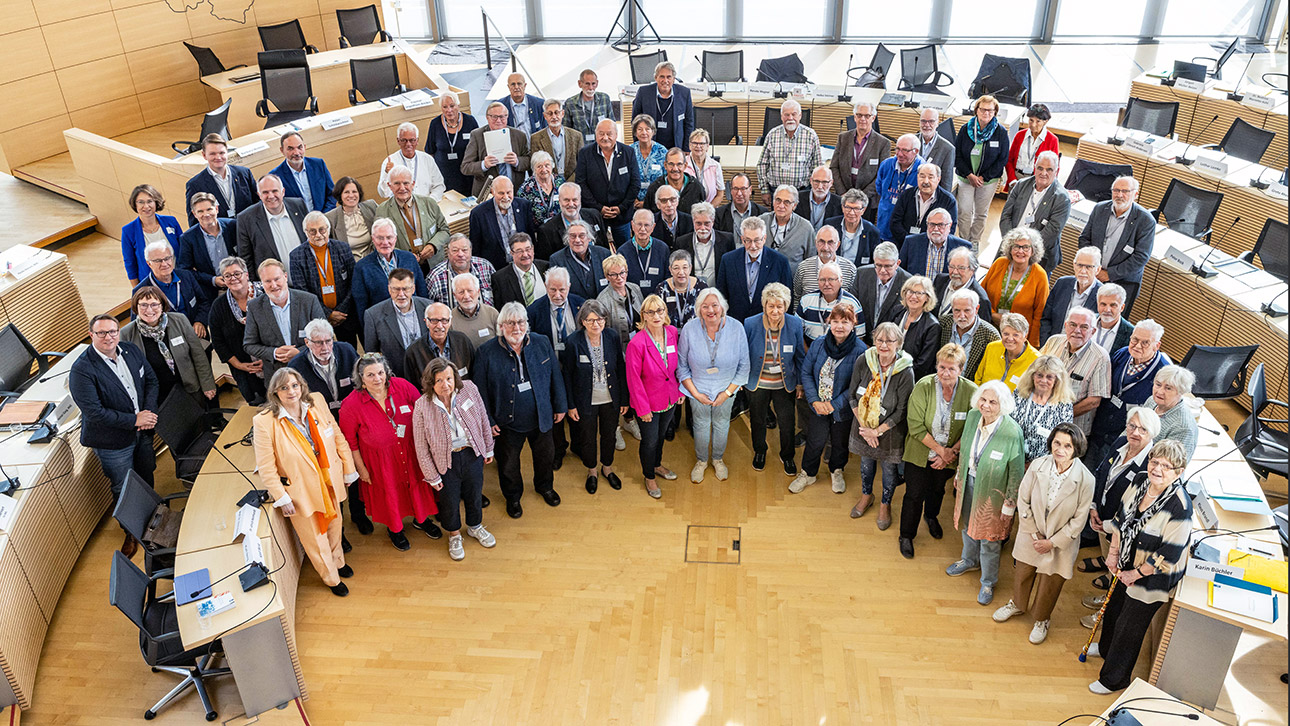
(238, 315)
(836, 350)
(1135, 520)
(157, 333)
(871, 399)
(322, 466)
(978, 134)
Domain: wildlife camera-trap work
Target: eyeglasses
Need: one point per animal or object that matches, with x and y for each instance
(438, 321)
(148, 305)
(327, 341)
(656, 311)
(592, 320)
(620, 273)
(937, 225)
(1131, 428)
(407, 141)
(960, 268)
(497, 116)
(162, 260)
(233, 276)
(105, 333)
(1160, 465)
(514, 323)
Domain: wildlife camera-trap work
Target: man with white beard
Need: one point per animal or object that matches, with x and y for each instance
(790, 152)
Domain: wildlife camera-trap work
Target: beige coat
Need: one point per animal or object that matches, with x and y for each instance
(541, 141)
(1062, 523)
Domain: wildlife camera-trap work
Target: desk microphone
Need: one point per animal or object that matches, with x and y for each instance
(256, 573)
(1122, 716)
(779, 90)
(69, 370)
(1196, 544)
(845, 97)
(1234, 96)
(245, 440)
(1201, 270)
(1115, 139)
(1183, 159)
(1258, 183)
(703, 73)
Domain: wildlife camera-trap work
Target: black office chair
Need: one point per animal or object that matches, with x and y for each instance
(721, 123)
(948, 132)
(1220, 61)
(374, 78)
(214, 122)
(1189, 210)
(1272, 249)
(207, 62)
(1220, 372)
(723, 66)
(1265, 449)
(189, 431)
(1094, 179)
(1244, 141)
(360, 26)
(1007, 79)
(873, 75)
(785, 69)
(771, 120)
(287, 87)
(850, 123)
(136, 509)
(1153, 117)
(919, 71)
(135, 595)
(17, 356)
(285, 36)
(643, 65)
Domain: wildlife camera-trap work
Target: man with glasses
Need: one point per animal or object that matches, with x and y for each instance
(934, 148)
(814, 307)
(524, 279)
(927, 253)
(550, 236)
(707, 244)
(372, 273)
(910, 214)
(271, 228)
(204, 244)
(1041, 203)
(859, 153)
(477, 162)
(325, 267)
(1088, 365)
(275, 321)
(821, 204)
(790, 152)
(669, 222)
(689, 190)
(857, 235)
(558, 140)
(186, 295)
(1125, 232)
(646, 255)
(806, 276)
(745, 272)
(584, 262)
(786, 232)
(459, 261)
(1133, 371)
(961, 276)
(427, 180)
(964, 327)
(895, 175)
(879, 287)
(392, 326)
(440, 341)
(1072, 291)
(472, 317)
(740, 207)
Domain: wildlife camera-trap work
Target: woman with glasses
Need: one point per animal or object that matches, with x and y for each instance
(713, 365)
(147, 227)
(1016, 282)
(171, 346)
(920, 324)
(228, 327)
(595, 377)
(980, 154)
(621, 299)
(706, 169)
(1044, 399)
(881, 384)
(652, 369)
(650, 154)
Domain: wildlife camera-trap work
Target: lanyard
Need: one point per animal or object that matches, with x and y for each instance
(901, 179)
(452, 140)
(670, 99)
(979, 446)
(713, 346)
(1011, 287)
(519, 359)
(414, 166)
(389, 400)
(678, 299)
(772, 343)
(712, 251)
(179, 292)
(1125, 371)
(322, 269)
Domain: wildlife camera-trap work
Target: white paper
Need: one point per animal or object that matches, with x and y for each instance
(497, 143)
(248, 520)
(251, 550)
(336, 122)
(1137, 145)
(252, 149)
(8, 507)
(1202, 570)
(1243, 602)
(418, 98)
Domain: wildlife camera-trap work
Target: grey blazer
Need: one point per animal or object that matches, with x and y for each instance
(262, 335)
(877, 149)
(381, 333)
(1050, 217)
(799, 239)
(188, 351)
(254, 238)
(472, 159)
(942, 155)
(1134, 247)
(336, 216)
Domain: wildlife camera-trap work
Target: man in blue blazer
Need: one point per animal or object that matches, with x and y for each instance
(557, 306)
(755, 263)
(584, 262)
(670, 107)
(612, 191)
(524, 109)
(187, 296)
(1078, 290)
(910, 214)
(1125, 232)
(920, 249)
(204, 244)
(232, 185)
(489, 220)
(372, 273)
(304, 177)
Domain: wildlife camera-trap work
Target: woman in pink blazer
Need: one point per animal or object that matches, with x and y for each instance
(652, 386)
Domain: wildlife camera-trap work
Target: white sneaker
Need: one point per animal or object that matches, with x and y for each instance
(1099, 689)
(719, 467)
(1093, 602)
(619, 444)
(1039, 633)
(1089, 621)
(839, 482)
(632, 427)
(1095, 650)
(485, 537)
(800, 482)
(696, 474)
(455, 548)
(1007, 611)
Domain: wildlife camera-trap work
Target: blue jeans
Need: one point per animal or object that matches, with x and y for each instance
(984, 553)
(711, 426)
(118, 463)
(890, 475)
(621, 232)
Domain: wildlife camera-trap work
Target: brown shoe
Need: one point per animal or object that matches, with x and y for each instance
(861, 506)
(129, 546)
(884, 516)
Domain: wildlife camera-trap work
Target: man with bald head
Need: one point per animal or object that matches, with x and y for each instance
(859, 153)
(928, 253)
(895, 175)
(610, 179)
(827, 243)
(1125, 232)
(909, 217)
(493, 222)
(524, 108)
(272, 227)
(646, 255)
(790, 152)
(821, 204)
(934, 148)
(669, 222)
(513, 165)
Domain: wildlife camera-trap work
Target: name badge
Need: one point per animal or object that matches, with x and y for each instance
(1043, 432)
(670, 349)
(1128, 250)
(417, 242)
(994, 144)
(483, 332)
(711, 371)
(873, 162)
(525, 386)
(300, 333)
(662, 124)
(400, 430)
(588, 137)
(788, 349)
(343, 382)
(452, 155)
(559, 346)
(583, 359)
(960, 415)
(915, 230)
(854, 171)
(327, 432)
(786, 166)
(655, 167)
(433, 228)
(680, 117)
(328, 289)
(1115, 401)
(622, 170)
(140, 370)
(192, 302)
(334, 405)
(177, 341)
(773, 369)
(465, 405)
(404, 409)
(671, 298)
(653, 271)
(864, 260)
(464, 372)
(996, 455)
(1015, 379)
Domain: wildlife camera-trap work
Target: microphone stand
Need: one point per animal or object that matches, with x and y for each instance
(1200, 270)
(713, 90)
(1183, 159)
(845, 97)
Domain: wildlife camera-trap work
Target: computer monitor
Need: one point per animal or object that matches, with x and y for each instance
(1222, 59)
(1190, 71)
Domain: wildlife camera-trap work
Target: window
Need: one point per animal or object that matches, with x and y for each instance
(1205, 18)
(769, 19)
(1104, 18)
(578, 18)
(461, 18)
(989, 19)
(681, 19)
(884, 21)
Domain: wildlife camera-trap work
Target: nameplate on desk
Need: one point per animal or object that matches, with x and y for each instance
(411, 104)
(1202, 570)
(800, 91)
(252, 551)
(932, 100)
(1278, 189)
(1138, 145)
(1078, 217)
(627, 90)
(252, 149)
(248, 520)
(1259, 101)
(1189, 85)
(1179, 258)
(8, 507)
(763, 88)
(1210, 165)
(336, 122)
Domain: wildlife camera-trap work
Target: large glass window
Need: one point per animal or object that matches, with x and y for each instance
(774, 19)
(578, 18)
(990, 19)
(461, 18)
(1207, 18)
(1102, 18)
(885, 20)
(683, 18)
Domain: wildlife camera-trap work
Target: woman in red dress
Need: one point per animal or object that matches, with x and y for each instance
(376, 419)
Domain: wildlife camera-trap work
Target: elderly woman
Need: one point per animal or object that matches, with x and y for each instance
(1171, 400)
(880, 387)
(991, 462)
(1009, 357)
(622, 299)
(1029, 143)
(304, 462)
(1149, 538)
(706, 169)
(453, 442)
(714, 364)
(650, 154)
(595, 378)
(542, 190)
(1016, 282)
(147, 227)
(228, 328)
(980, 153)
(1133, 372)
(826, 373)
(776, 355)
(351, 219)
(1044, 398)
(170, 344)
(938, 407)
(681, 289)
(446, 141)
(919, 322)
(1052, 507)
(652, 368)
(376, 418)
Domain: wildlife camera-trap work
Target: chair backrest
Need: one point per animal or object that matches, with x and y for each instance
(179, 421)
(207, 62)
(785, 69)
(283, 36)
(643, 65)
(723, 65)
(1188, 209)
(128, 589)
(850, 122)
(1218, 369)
(17, 355)
(375, 78)
(1007, 79)
(135, 506)
(772, 119)
(949, 133)
(882, 58)
(1246, 141)
(1258, 390)
(721, 123)
(917, 65)
(1153, 117)
(216, 122)
(284, 78)
(1094, 179)
(1272, 248)
(359, 26)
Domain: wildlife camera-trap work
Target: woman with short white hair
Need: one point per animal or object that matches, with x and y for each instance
(1171, 400)
(542, 190)
(713, 365)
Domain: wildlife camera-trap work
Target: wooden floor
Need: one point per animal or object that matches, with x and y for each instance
(35, 216)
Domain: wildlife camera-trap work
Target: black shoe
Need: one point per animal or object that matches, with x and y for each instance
(514, 509)
(345, 546)
(670, 435)
(400, 541)
(557, 462)
(551, 498)
(934, 528)
(759, 460)
(340, 590)
(486, 502)
(614, 481)
(799, 441)
(361, 522)
(346, 572)
(790, 467)
(430, 528)
(592, 482)
(771, 421)
(907, 548)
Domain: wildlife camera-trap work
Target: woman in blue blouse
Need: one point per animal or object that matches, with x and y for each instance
(446, 141)
(713, 365)
(649, 154)
(149, 226)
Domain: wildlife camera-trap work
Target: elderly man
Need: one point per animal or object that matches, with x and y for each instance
(325, 268)
(689, 190)
(859, 153)
(610, 178)
(1125, 233)
(964, 326)
(669, 105)
(460, 260)
(275, 321)
(272, 227)
(910, 213)
(1113, 330)
(927, 253)
(523, 393)
(372, 273)
(583, 261)
(232, 186)
(878, 286)
(706, 244)
(895, 175)
(181, 287)
(303, 177)
(550, 236)
(1072, 291)
(588, 107)
(427, 180)
(524, 109)
(477, 162)
(558, 140)
(743, 273)
(646, 255)
(204, 244)
(934, 148)
(1041, 203)
(786, 232)
(493, 223)
(1133, 371)
(1087, 363)
(394, 324)
(961, 275)
(858, 235)
(814, 307)
(826, 250)
(421, 227)
(669, 223)
(740, 207)
(821, 204)
(790, 152)
(524, 279)
(555, 314)
(440, 341)
(472, 317)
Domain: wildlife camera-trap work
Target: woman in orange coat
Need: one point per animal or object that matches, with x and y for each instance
(1016, 283)
(305, 463)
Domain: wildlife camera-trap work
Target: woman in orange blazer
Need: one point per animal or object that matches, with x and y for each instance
(305, 463)
(1016, 283)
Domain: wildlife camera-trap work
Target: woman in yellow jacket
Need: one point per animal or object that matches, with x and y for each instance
(305, 463)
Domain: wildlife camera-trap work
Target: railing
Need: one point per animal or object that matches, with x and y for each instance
(515, 56)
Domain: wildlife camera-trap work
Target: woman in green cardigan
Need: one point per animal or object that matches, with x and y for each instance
(989, 474)
(937, 411)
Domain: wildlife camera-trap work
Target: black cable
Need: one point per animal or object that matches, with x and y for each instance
(1084, 715)
(1161, 698)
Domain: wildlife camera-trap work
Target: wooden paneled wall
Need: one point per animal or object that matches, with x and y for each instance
(115, 66)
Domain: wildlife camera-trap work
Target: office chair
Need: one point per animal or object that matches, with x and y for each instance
(785, 69)
(1189, 209)
(1272, 249)
(360, 26)
(1244, 141)
(919, 71)
(873, 75)
(1220, 61)
(189, 431)
(771, 120)
(286, 84)
(1153, 117)
(949, 133)
(207, 62)
(1220, 372)
(643, 65)
(284, 36)
(721, 123)
(1094, 179)
(135, 509)
(1007, 79)
(374, 78)
(850, 123)
(17, 356)
(1264, 448)
(135, 595)
(723, 66)
(214, 122)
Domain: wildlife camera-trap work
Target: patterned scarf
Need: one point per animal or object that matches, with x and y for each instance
(1135, 520)
(978, 134)
(871, 399)
(238, 315)
(157, 333)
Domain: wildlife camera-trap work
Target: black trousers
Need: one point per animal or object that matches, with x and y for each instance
(651, 448)
(924, 492)
(602, 420)
(463, 483)
(783, 399)
(357, 510)
(508, 448)
(1124, 624)
(251, 387)
(822, 429)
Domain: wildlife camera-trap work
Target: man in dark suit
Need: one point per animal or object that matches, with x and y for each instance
(910, 213)
(1112, 331)
(326, 363)
(1125, 232)
(524, 109)
(1041, 203)
(232, 185)
(670, 107)
(391, 326)
(936, 149)
(740, 207)
(669, 222)
(303, 177)
(858, 237)
(611, 191)
(928, 253)
(271, 228)
(821, 204)
(555, 315)
(744, 273)
(859, 152)
(204, 244)
(524, 279)
(186, 294)
(706, 244)
(275, 321)
(494, 222)
(440, 341)
(550, 236)
(325, 267)
(879, 285)
(372, 273)
(585, 263)
(647, 256)
(962, 273)
(1072, 291)
(477, 162)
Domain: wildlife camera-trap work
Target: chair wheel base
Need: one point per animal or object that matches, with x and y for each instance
(211, 715)
(149, 715)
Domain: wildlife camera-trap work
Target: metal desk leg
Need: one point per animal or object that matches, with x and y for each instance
(1194, 657)
(262, 667)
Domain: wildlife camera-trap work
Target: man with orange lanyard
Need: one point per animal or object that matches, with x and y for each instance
(325, 267)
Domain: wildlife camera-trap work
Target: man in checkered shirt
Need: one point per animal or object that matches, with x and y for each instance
(791, 151)
(460, 260)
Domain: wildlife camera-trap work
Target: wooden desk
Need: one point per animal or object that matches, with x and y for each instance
(40, 296)
(213, 502)
(1160, 701)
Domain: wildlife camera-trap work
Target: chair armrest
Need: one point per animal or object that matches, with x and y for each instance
(353, 97)
(163, 574)
(949, 80)
(176, 147)
(173, 497)
(1208, 146)
(344, 42)
(1247, 256)
(239, 65)
(739, 140)
(1282, 404)
(162, 552)
(386, 37)
(313, 104)
(52, 355)
(262, 108)
(311, 49)
(400, 89)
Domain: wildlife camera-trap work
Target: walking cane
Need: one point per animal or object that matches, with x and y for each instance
(1083, 654)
